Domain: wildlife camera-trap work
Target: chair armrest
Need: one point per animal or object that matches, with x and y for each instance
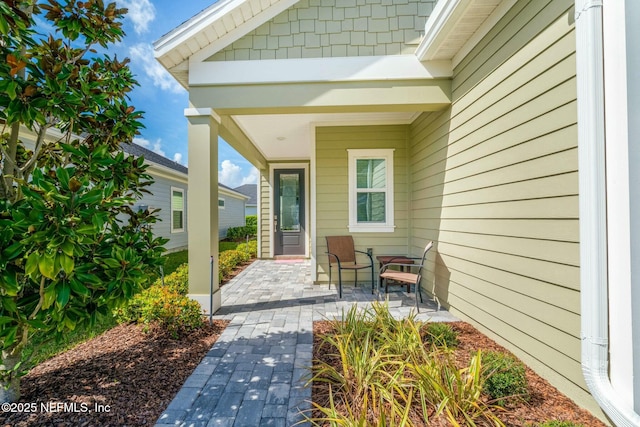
(367, 254)
(335, 256)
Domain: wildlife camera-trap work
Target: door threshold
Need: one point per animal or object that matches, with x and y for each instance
(289, 257)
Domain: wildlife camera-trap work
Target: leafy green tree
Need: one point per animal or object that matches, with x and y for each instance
(71, 247)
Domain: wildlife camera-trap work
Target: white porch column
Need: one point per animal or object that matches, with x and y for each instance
(202, 206)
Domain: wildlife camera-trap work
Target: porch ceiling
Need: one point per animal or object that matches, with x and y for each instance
(289, 136)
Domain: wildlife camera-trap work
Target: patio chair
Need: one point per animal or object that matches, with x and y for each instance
(406, 275)
(342, 254)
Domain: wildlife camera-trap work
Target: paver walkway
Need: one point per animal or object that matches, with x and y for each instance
(255, 373)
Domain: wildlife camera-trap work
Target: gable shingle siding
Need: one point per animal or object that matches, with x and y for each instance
(335, 28)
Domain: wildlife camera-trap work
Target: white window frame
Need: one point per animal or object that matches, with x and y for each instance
(184, 216)
(389, 225)
(221, 199)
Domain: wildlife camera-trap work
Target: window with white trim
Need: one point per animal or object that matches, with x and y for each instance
(371, 191)
(220, 203)
(177, 210)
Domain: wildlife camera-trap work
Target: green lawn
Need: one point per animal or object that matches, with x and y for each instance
(175, 259)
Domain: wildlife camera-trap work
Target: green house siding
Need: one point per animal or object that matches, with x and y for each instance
(332, 190)
(494, 183)
(334, 28)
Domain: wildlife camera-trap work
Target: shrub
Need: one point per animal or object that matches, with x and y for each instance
(249, 250)
(440, 335)
(505, 377)
(251, 220)
(178, 281)
(166, 305)
(240, 233)
(252, 224)
(228, 260)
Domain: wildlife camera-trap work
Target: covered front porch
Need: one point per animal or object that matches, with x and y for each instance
(255, 372)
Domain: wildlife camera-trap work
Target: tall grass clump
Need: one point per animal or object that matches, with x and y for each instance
(379, 372)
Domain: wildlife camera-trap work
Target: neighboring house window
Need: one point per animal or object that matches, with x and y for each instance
(177, 210)
(371, 191)
(220, 203)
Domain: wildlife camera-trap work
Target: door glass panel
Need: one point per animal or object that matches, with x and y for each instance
(290, 202)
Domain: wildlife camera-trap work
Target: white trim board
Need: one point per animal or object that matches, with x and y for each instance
(347, 69)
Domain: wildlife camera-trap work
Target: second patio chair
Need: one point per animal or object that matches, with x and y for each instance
(411, 278)
(342, 254)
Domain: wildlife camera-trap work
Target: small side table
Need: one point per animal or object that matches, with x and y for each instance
(386, 259)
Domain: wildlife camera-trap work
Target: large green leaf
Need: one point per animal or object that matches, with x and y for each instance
(9, 282)
(32, 264)
(46, 265)
(12, 251)
(64, 291)
(87, 229)
(63, 177)
(66, 262)
(67, 248)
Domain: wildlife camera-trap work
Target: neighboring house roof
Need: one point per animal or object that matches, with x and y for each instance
(150, 156)
(224, 189)
(250, 190)
(155, 158)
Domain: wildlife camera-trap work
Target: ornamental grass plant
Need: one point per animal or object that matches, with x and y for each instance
(384, 371)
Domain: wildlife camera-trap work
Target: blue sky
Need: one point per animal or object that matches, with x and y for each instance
(161, 98)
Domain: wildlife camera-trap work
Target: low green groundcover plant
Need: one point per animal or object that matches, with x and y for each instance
(441, 335)
(506, 377)
(380, 373)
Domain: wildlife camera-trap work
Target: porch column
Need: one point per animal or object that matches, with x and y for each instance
(202, 205)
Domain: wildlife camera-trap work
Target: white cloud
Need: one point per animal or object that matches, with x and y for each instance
(157, 148)
(233, 176)
(177, 157)
(141, 12)
(142, 53)
(142, 142)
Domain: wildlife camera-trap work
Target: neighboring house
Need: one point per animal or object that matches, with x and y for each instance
(251, 191)
(169, 194)
(231, 209)
(455, 121)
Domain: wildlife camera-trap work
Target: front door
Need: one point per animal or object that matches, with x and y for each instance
(289, 215)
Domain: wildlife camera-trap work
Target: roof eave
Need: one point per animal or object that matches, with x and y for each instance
(444, 25)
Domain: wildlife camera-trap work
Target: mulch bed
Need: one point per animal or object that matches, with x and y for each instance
(124, 377)
(545, 403)
(133, 375)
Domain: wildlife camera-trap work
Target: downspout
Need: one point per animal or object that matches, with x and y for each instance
(593, 221)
